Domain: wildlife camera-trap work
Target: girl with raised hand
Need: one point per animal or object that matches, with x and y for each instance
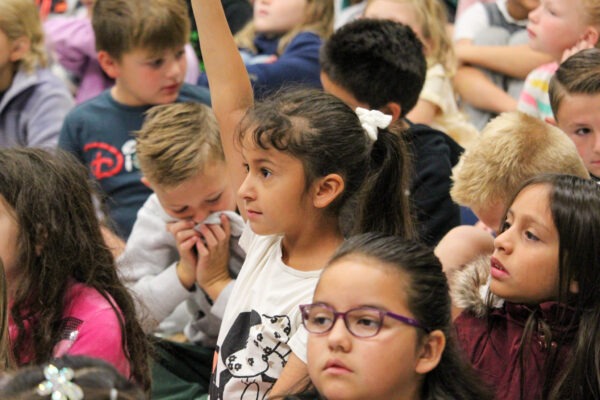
(64, 293)
(304, 164)
(538, 334)
(380, 326)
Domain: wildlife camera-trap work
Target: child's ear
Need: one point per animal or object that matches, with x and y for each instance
(431, 352)
(327, 189)
(146, 182)
(591, 35)
(19, 48)
(109, 65)
(392, 108)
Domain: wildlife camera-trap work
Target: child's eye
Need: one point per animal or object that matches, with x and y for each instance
(321, 320)
(246, 167)
(265, 172)
(214, 199)
(180, 54)
(583, 131)
(505, 225)
(531, 236)
(156, 63)
(180, 210)
(368, 322)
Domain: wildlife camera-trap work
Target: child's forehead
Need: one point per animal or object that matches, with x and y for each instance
(147, 52)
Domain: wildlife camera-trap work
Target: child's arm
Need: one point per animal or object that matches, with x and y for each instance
(475, 88)
(295, 371)
(423, 113)
(231, 93)
(514, 61)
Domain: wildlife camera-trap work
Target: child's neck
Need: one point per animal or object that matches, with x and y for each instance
(311, 248)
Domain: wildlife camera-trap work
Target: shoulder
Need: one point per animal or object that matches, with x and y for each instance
(194, 93)
(426, 140)
(85, 303)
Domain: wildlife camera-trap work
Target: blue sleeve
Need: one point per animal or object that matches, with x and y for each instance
(299, 64)
(68, 139)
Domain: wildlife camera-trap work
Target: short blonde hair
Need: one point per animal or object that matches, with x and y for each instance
(512, 148)
(318, 18)
(176, 142)
(20, 18)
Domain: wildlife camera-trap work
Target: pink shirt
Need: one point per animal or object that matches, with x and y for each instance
(91, 329)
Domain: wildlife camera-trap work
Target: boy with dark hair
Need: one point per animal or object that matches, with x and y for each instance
(379, 64)
(140, 44)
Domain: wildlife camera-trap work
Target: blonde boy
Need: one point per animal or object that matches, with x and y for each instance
(512, 148)
(173, 255)
(575, 99)
(140, 45)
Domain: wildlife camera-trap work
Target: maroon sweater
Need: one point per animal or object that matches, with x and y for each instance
(492, 345)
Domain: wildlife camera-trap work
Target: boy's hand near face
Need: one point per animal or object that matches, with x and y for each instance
(186, 238)
(212, 272)
(204, 254)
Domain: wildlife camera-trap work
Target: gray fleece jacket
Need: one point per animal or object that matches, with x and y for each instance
(33, 108)
(147, 266)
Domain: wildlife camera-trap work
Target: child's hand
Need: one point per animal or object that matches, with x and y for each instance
(212, 272)
(186, 238)
(581, 45)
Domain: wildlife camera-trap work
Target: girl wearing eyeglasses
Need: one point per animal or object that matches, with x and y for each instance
(380, 326)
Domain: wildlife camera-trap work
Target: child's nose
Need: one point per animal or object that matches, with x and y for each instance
(533, 14)
(502, 242)
(339, 337)
(246, 191)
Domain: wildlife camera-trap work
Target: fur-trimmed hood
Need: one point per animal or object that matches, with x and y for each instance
(469, 287)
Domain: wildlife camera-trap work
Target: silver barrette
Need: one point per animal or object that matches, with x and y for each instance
(58, 384)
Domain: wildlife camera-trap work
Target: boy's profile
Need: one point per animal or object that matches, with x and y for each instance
(512, 148)
(140, 44)
(173, 254)
(575, 99)
(379, 64)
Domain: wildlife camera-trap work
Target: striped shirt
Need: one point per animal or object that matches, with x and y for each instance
(534, 99)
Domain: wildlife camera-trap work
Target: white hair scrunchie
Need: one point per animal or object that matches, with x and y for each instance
(371, 120)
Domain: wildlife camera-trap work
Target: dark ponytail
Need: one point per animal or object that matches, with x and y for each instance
(327, 137)
(384, 204)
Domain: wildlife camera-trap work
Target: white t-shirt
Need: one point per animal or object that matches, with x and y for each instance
(475, 19)
(261, 324)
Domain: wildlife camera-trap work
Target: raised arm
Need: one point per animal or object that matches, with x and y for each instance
(230, 90)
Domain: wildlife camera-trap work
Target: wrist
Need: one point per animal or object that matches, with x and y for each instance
(214, 287)
(186, 275)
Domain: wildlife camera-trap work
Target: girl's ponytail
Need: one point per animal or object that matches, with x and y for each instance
(383, 202)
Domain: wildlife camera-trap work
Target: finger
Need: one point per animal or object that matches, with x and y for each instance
(175, 227)
(207, 234)
(226, 225)
(188, 244)
(201, 248)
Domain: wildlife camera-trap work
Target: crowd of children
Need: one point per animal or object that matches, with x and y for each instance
(405, 207)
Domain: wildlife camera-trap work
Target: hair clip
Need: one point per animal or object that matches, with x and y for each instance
(371, 120)
(58, 384)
